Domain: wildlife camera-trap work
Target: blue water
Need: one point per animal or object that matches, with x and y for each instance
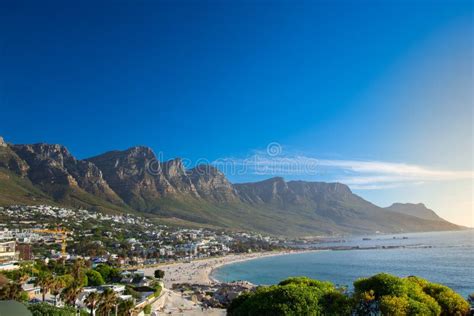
(442, 257)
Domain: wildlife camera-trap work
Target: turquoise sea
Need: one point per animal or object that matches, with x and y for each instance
(442, 257)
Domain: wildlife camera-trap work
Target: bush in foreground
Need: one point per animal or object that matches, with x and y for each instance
(294, 296)
(44, 309)
(381, 294)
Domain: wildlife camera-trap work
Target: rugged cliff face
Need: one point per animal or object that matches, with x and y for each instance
(211, 184)
(53, 168)
(277, 190)
(134, 179)
(135, 175)
(9, 160)
(177, 176)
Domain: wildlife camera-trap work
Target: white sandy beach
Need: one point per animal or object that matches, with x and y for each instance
(199, 271)
(196, 272)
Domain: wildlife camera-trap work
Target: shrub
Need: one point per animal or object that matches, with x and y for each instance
(451, 302)
(157, 290)
(390, 294)
(381, 294)
(147, 310)
(394, 305)
(159, 274)
(305, 281)
(45, 309)
(294, 296)
(129, 290)
(94, 278)
(336, 303)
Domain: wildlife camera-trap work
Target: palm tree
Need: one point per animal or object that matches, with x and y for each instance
(11, 291)
(57, 284)
(44, 281)
(23, 276)
(91, 301)
(70, 293)
(126, 307)
(77, 270)
(108, 300)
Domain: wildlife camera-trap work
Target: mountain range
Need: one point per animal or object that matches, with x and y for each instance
(133, 180)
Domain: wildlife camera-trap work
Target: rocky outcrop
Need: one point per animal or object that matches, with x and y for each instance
(211, 184)
(274, 190)
(277, 190)
(10, 160)
(177, 176)
(52, 166)
(134, 174)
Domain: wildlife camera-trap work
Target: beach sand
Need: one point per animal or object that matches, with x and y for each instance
(199, 271)
(196, 272)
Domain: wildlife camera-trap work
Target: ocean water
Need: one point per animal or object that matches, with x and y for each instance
(442, 257)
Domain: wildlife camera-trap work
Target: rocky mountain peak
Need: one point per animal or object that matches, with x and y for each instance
(52, 165)
(11, 161)
(134, 174)
(206, 171)
(210, 183)
(138, 151)
(135, 179)
(173, 168)
(418, 210)
(41, 151)
(49, 156)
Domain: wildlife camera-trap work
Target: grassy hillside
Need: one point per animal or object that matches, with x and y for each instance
(16, 190)
(351, 215)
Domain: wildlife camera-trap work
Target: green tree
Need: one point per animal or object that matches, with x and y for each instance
(294, 296)
(394, 305)
(109, 274)
(381, 294)
(94, 278)
(407, 296)
(336, 303)
(451, 302)
(45, 309)
(125, 307)
(159, 274)
(105, 270)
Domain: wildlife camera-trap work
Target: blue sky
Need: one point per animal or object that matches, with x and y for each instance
(384, 83)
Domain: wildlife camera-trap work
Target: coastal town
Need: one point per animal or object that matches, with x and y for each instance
(65, 261)
(149, 267)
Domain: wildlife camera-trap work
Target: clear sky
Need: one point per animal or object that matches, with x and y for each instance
(378, 93)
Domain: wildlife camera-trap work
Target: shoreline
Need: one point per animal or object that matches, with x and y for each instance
(200, 271)
(262, 255)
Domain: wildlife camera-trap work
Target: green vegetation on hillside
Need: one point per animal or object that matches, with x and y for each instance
(17, 190)
(120, 181)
